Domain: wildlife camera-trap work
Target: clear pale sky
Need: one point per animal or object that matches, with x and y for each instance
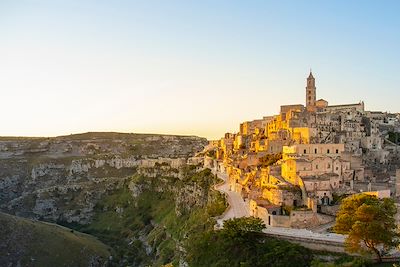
(188, 67)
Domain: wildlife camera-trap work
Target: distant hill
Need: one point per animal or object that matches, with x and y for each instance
(92, 135)
(25, 242)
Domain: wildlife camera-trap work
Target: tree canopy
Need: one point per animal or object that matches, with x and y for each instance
(369, 223)
(242, 243)
(270, 159)
(241, 228)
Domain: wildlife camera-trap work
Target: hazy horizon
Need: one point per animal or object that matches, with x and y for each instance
(185, 67)
(65, 135)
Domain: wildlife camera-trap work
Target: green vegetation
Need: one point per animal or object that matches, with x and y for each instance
(241, 243)
(394, 137)
(270, 159)
(218, 205)
(337, 199)
(33, 243)
(302, 207)
(146, 230)
(120, 221)
(368, 221)
(212, 154)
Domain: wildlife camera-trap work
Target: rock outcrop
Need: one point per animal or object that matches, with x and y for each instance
(62, 178)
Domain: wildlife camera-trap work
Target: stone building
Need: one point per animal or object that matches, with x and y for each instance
(311, 94)
(325, 150)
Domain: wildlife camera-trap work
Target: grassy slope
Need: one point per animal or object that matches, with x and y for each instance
(121, 220)
(33, 243)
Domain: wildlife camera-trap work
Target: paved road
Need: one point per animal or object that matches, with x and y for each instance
(323, 228)
(239, 208)
(305, 234)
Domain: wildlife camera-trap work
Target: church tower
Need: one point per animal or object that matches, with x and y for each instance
(311, 94)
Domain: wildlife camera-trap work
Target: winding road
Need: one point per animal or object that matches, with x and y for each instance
(239, 208)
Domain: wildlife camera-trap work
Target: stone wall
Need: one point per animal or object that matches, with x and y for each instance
(330, 210)
(308, 219)
(314, 244)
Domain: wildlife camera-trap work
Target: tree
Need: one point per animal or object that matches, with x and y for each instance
(270, 159)
(241, 227)
(369, 223)
(241, 243)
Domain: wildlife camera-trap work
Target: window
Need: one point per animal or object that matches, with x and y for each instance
(315, 151)
(327, 151)
(316, 166)
(305, 151)
(337, 151)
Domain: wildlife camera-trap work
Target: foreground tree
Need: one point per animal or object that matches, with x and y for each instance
(369, 223)
(243, 228)
(241, 243)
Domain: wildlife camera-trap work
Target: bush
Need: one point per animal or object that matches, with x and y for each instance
(242, 243)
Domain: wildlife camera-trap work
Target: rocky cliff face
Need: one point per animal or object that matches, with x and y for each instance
(148, 220)
(62, 178)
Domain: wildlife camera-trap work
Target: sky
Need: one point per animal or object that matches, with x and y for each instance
(188, 67)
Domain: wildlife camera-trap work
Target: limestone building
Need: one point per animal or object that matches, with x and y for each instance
(306, 154)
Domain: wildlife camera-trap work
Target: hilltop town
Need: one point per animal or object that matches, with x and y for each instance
(293, 168)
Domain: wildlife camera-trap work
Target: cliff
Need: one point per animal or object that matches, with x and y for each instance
(149, 220)
(140, 194)
(63, 178)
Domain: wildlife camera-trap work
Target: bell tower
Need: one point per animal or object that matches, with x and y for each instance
(310, 93)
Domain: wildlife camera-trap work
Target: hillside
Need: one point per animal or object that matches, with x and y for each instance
(62, 178)
(87, 182)
(25, 242)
